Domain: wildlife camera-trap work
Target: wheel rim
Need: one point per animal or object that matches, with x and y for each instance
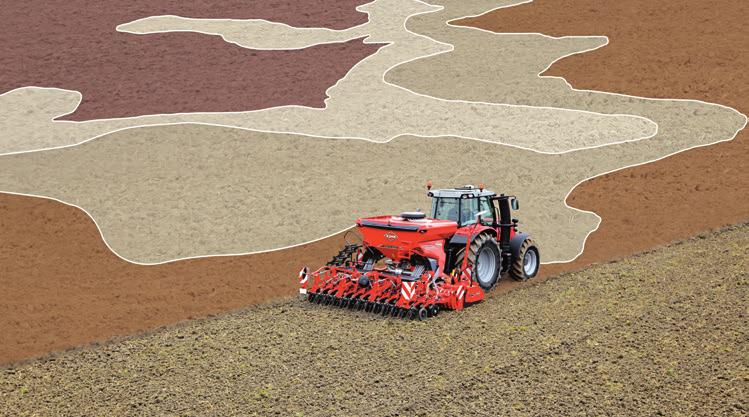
(486, 264)
(530, 262)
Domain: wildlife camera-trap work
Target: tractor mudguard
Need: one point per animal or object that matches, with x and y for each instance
(461, 236)
(516, 242)
(458, 240)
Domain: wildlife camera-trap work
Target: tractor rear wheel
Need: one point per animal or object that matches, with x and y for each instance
(485, 258)
(526, 264)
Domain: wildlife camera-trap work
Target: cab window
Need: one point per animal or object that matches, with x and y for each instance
(468, 211)
(445, 209)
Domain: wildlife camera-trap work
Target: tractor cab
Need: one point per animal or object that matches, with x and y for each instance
(468, 205)
(463, 205)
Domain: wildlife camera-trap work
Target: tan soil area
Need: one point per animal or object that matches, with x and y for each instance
(664, 333)
(74, 45)
(674, 49)
(168, 192)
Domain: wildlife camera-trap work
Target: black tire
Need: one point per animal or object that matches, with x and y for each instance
(423, 314)
(483, 246)
(525, 266)
(386, 309)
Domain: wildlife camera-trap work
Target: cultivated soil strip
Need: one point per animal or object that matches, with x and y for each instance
(663, 333)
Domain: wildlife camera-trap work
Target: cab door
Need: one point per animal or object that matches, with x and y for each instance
(486, 205)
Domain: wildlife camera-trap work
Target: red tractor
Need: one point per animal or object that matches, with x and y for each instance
(412, 265)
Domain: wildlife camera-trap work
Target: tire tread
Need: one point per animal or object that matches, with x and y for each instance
(516, 271)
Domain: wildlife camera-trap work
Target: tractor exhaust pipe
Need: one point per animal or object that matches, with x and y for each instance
(505, 218)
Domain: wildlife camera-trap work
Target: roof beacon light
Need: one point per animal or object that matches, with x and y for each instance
(429, 185)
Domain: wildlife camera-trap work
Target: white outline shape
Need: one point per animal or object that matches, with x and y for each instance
(449, 23)
(119, 28)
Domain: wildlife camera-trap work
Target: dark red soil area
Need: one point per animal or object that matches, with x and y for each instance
(74, 45)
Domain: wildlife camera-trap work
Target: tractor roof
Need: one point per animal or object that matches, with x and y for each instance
(469, 191)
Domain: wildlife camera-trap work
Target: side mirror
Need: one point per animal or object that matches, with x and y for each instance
(514, 203)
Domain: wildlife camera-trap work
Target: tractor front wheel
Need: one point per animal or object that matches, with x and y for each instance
(526, 264)
(486, 260)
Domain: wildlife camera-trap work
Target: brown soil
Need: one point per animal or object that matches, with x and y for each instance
(62, 287)
(670, 49)
(74, 46)
(658, 334)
